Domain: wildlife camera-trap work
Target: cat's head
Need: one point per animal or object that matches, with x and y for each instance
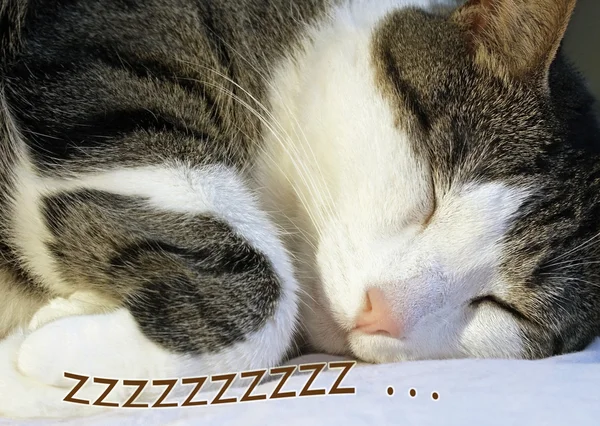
(459, 169)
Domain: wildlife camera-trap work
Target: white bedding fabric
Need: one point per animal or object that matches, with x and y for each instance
(557, 391)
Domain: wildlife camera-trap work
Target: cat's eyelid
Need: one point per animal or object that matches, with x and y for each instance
(507, 307)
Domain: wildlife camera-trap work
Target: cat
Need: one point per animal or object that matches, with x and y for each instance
(196, 187)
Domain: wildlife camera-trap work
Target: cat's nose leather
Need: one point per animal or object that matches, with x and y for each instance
(377, 317)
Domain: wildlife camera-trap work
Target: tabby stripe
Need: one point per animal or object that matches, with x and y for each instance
(228, 261)
(101, 129)
(140, 68)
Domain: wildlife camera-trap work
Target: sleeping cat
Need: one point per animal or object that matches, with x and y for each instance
(192, 187)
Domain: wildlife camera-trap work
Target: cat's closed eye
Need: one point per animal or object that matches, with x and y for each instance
(498, 303)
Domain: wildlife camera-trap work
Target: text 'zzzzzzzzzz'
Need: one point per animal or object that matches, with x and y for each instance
(196, 384)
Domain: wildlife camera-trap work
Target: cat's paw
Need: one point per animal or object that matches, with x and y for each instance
(55, 348)
(22, 396)
(33, 366)
(106, 345)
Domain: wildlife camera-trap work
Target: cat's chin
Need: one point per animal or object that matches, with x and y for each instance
(379, 349)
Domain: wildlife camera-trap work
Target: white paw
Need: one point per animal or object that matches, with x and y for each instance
(33, 366)
(107, 345)
(24, 397)
(50, 351)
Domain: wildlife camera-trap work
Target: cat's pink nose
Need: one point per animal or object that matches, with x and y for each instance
(377, 316)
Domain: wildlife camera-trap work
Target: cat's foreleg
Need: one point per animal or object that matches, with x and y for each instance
(202, 282)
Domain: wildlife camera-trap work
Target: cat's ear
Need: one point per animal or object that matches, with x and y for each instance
(516, 38)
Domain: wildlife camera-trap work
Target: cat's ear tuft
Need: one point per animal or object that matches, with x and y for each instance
(517, 39)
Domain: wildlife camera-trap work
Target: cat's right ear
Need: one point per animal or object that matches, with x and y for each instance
(516, 39)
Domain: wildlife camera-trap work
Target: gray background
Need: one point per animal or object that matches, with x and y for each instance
(583, 42)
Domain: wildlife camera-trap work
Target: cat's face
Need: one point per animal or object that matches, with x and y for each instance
(463, 195)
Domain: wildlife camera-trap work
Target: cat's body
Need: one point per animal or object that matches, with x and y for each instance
(196, 184)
